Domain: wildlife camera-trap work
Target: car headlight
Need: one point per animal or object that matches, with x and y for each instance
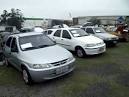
(41, 66)
(70, 58)
(90, 45)
(108, 39)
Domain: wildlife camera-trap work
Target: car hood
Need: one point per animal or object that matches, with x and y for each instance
(105, 35)
(45, 55)
(89, 39)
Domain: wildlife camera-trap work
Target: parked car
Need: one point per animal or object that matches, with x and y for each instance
(37, 56)
(75, 39)
(99, 32)
(87, 24)
(24, 30)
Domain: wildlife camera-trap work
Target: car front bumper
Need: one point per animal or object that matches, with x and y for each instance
(95, 50)
(54, 72)
(108, 42)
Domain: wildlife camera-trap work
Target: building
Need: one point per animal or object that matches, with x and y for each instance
(32, 22)
(104, 20)
(45, 23)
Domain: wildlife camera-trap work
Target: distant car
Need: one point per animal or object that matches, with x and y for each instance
(24, 30)
(75, 39)
(37, 56)
(87, 24)
(99, 32)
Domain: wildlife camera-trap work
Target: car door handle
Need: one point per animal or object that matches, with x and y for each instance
(61, 39)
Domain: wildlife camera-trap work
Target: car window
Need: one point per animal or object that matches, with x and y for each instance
(99, 30)
(90, 31)
(8, 41)
(66, 34)
(78, 33)
(14, 44)
(57, 33)
(35, 42)
(49, 32)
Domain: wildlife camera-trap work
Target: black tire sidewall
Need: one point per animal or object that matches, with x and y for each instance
(83, 52)
(29, 77)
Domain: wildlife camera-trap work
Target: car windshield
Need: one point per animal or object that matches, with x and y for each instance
(99, 30)
(78, 33)
(35, 42)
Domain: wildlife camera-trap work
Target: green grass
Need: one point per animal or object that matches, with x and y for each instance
(103, 75)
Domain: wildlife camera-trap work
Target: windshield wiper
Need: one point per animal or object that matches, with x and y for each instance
(82, 35)
(30, 48)
(42, 46)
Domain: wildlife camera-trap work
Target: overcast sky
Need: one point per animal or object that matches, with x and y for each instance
(63, 9)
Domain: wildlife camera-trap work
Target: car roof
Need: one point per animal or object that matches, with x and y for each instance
(91, 27)
(26, 34)
(63, 29)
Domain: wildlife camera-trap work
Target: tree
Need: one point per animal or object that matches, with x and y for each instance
(14, 18)
(4, 17)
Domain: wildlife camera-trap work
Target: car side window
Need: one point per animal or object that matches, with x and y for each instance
(49, 32)
(90, 31)
(66, 34)
(57, 33)
(14, 45)
(8, 41)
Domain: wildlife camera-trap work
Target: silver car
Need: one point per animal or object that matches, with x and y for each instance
(99, 32)
(37, 56)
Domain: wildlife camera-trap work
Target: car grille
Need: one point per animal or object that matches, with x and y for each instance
(59, 62)
(114, 39)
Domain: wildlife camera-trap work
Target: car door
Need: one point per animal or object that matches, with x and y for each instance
(14, 54)
(57, 37)
(66, 40)
(7, 48)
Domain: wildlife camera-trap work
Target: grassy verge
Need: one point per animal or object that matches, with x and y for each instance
(105, 75)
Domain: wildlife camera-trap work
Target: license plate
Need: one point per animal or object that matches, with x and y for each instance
(61, 70)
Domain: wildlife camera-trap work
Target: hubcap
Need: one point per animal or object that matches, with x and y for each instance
(79, 53)
(25, 76)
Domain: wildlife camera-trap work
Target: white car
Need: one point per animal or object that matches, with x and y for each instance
(75, 39)
(99, 32)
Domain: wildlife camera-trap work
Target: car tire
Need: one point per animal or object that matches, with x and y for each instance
(6, 62)
(26, 76)
(80, 52)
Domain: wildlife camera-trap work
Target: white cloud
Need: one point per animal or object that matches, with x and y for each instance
(62, 8)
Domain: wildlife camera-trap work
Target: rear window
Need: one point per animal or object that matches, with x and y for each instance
(57, 33)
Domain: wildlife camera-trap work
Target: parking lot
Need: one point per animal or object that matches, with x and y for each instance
(105, 75)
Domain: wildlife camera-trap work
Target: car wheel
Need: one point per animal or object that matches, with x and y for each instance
(80, 52)
(26, 76)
